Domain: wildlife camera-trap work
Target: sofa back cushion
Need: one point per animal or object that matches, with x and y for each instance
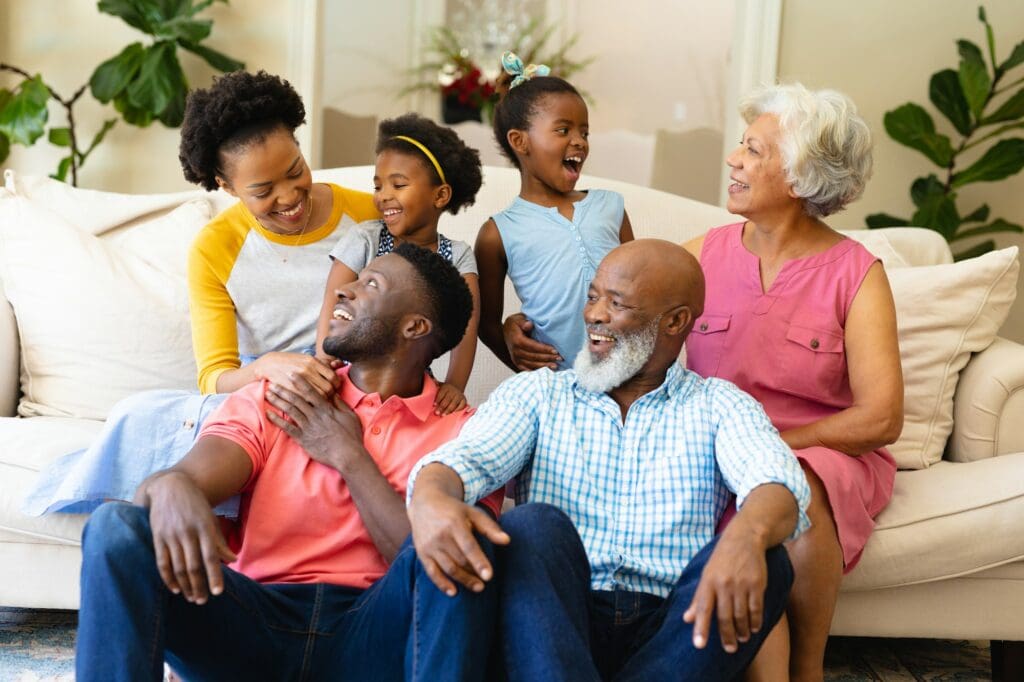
(98, 318)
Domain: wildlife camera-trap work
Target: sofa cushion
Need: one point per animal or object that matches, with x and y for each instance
(944, 313)
(28, 446)
(98, 318)
(949, 520)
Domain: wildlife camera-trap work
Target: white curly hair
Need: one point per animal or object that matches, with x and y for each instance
(825, 144)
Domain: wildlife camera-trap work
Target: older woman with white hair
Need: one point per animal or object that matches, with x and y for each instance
(802, 318)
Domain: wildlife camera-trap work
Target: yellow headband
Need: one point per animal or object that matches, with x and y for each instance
(422, 147)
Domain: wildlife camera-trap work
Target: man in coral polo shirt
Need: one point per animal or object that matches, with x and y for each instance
(308, 592)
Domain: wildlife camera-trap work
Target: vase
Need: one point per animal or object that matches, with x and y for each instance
(454, 111)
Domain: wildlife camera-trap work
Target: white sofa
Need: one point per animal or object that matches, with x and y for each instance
(946, 561)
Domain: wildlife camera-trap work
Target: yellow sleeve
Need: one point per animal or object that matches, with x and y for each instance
(357, 205)
(214, 325)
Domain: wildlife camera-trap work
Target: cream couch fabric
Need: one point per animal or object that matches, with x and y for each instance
(947, 559)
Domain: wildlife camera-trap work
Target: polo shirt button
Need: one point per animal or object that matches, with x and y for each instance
(815, 344)
(375, 430)
(703, 326)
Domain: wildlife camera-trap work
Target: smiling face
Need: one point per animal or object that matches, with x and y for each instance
(271, 178)
(555, 147)
(371, 312)
(758, 183)
(405, 194)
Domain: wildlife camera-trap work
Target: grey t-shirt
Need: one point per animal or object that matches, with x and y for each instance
(362, 243)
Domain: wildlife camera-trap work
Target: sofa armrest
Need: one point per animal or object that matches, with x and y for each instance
(988, 407)
(9, 358)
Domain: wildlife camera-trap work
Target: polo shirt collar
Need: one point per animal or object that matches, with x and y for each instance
(420, 406)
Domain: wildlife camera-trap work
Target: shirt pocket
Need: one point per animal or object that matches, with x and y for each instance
(812, 363)
(705, 344)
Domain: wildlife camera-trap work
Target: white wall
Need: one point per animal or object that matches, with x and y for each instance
(66, 39)
(882, 53)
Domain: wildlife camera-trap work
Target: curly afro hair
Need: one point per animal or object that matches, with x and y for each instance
(516, 108)
(238, 109)
(446, 293)
(461, 164)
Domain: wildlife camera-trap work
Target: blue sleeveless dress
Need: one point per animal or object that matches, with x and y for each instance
(551, 261)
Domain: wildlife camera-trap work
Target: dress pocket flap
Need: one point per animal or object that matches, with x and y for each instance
(815, 338)
(710, 324)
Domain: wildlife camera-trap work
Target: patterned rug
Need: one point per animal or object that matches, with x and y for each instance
(39, 646)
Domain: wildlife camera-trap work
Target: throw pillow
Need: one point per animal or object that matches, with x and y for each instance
(98, 319)
(944, 313)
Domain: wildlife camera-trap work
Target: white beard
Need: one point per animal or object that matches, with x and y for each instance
(626, 359)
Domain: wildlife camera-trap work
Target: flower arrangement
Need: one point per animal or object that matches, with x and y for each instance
(470, 80)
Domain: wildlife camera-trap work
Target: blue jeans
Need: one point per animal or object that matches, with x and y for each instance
(554, 627)
(400, 627)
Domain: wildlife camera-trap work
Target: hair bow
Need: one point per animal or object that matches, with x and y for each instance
(513, 66)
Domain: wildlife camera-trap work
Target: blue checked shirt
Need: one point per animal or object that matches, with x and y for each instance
(646, 493)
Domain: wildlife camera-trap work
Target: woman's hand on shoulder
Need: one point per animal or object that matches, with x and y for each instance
(288, 369)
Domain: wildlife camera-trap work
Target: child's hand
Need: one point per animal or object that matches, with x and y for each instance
(449, 399)
(526, 353)
(329, 360)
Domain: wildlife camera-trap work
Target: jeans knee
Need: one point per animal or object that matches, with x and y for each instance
(117, 529)
(538, 525)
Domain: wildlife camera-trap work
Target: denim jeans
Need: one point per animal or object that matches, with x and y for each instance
(400, 627)
(553, 626)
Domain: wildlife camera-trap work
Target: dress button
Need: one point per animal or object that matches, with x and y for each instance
(375, 430)
(188, 424)
(815, 344)
(703, 326)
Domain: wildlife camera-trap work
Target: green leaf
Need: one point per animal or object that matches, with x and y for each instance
(1002, 160)
(876, 220)
(947, 96)
(1016, 57)
(174, 113)
(23, 118)
(1010, 110)
(997, 225)
(112, 76)
(912, 126)
(973, 75)
(60, 137)
(158, 79)
(98, 137)
(5, 97)
(989, 37)
(975, 251)
(938, 212)
(979, 215)
(5, 147)
(131, 114)
(128, 11)
(183, 28)
(922, 188)
(219, 60)
(62, 169)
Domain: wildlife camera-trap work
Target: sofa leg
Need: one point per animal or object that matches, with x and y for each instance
(1007, 661)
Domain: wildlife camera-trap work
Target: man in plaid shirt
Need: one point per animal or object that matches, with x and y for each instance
(609, 566)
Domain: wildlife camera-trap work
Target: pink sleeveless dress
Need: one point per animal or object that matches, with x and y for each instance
(785, 347)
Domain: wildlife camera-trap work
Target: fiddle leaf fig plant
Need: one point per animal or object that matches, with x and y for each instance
(143, 82)
(983, 102)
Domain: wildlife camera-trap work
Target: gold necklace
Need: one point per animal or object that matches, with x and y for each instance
(298, 236)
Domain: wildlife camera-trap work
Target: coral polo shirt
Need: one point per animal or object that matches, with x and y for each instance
(298, 522)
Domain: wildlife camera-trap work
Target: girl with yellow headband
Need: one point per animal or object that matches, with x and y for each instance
(422, 171)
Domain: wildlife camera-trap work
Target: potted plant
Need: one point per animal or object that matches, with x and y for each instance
(984, 102)
(468, 83)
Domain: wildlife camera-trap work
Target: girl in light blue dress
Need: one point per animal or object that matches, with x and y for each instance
(551, 239)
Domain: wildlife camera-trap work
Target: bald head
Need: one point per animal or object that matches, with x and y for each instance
(664, 273)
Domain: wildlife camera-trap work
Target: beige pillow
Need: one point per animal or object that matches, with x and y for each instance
(98, 319)
(944, 313)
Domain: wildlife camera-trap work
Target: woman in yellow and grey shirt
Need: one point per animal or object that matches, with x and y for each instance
(255, 273)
